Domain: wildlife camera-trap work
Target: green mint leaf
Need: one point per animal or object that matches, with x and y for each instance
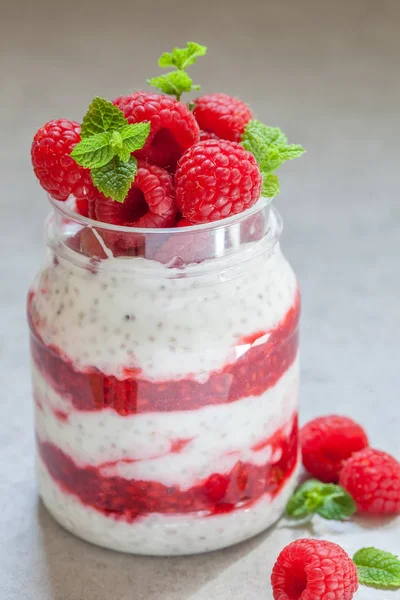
(328, 500)
(271, 186)
(182, 57)
(173, 83)
(270, 149)
(115, 178)
(123, 154)
(101, 116)
(134, 136)
(289, 151)
(377, 568)
(116, 141)
(337, 504)
(255, 130)
(94, 151)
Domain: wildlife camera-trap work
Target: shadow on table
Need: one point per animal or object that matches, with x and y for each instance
(80, 571)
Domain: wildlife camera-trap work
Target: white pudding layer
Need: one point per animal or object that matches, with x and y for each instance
(130, 314)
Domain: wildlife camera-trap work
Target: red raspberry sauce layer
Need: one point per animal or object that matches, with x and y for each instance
(251, 375)
(220, 493)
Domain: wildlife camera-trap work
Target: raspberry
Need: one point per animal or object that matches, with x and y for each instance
(57, 172)
(207, 135)
(327, 442)
(173, 126)
(150, 201)
(372, 477)
(310, 569)
(222, 115)
(82, 207)
(216, 179)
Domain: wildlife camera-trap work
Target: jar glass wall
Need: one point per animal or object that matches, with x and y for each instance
(165, 380)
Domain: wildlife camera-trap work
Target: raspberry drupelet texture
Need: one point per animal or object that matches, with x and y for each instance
(150, 201)
(57, 172)
(327, 442)
(173, 126)
(216, 179)
(309, 569)
(222, 115)
(372, 477)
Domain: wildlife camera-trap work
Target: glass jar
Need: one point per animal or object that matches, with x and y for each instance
(165, 380)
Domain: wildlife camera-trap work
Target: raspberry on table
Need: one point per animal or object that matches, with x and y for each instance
(173, 126)
(222, 115)
(57, 172)
(327, 442)
(372, 477)
(216, 179)
(309, 569)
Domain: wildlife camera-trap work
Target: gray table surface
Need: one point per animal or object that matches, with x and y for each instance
(327, 73)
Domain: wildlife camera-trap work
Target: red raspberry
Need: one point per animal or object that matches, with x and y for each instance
(57, 172)
(207, 135)
(222, 115)
(327, 442)
(310, 569)
(150, 201)
(173, 126)
(216, 179)
(372, 477)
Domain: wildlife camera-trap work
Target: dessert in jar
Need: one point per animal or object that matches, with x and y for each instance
(164, 324)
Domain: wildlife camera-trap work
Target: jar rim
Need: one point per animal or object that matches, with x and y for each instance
(63, 208)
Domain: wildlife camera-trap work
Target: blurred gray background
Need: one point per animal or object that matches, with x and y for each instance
(328, 74)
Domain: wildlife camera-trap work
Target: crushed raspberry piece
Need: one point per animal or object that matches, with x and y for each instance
(372, 477)
(309, 569)
(327, 442)
(216, 179)
(222, 115)
(57, 172)
(173, 126)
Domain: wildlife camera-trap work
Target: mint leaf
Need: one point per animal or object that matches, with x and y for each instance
(134, 136)
(377, 568)
(173, 83)
(182, 57)
(114, 179)
(270, 149)
(328, 500)
(289, 151)
(101, 116)
(94, 151)
(271, 186)
(270, 135)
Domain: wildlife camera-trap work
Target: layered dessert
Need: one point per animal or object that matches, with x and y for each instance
(164, 326)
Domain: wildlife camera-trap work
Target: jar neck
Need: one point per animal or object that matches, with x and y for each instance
(173, 253)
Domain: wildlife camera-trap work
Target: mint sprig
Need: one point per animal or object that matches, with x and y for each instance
(114, 179)
(325, 499)
(101, 116)
(107, 141)
(377, 568)
(271, 149)
(176, 82)
(182, 57)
